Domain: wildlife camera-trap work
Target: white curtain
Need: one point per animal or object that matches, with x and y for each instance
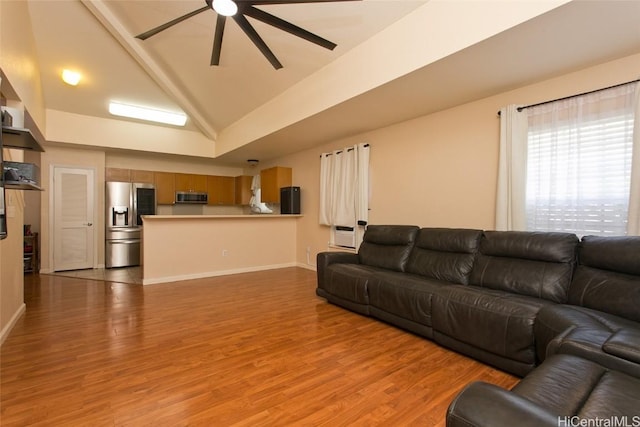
(326, 188)
(512, 170)
(633, 225)
(579, 163)
(572, 165)
(362, 189)
(344, 186)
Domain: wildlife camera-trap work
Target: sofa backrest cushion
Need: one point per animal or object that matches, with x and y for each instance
(608, 276)
(387, 246)
(538, 264)
(444, 254)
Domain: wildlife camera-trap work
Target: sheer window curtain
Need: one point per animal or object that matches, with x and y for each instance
(344, 186)
(572, 165)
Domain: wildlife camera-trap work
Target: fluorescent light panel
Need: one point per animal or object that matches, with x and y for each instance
(150, 114)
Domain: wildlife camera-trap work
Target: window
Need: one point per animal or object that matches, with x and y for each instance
(344, 194)
(572, 165)
(579, 154)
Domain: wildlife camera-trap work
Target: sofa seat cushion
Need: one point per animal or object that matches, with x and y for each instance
(496, 321)
(570, 386)
(406, 296)
(609, 340)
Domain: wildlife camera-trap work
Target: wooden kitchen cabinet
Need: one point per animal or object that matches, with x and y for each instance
(191, 182)
(243, 189)
(165, 188)
(271, 180)
(144, 177)
(221, 190)
(128, 175)
(117, 174)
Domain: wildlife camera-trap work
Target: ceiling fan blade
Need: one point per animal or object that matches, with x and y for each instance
(217, 41)
(257, 40)
(156, 30)
(261, 2)
(274, 21)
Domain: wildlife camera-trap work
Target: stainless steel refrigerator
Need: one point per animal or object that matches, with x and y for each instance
(125, 204)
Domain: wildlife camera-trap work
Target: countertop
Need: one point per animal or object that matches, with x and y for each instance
(255, 216)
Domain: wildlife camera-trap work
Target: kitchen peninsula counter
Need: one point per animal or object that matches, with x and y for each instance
(184, 247)
(248, 216)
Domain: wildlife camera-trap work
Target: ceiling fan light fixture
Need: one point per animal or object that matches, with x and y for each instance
(149, 114)
(225, 7)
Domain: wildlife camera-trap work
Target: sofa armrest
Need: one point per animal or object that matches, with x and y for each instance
(625, 344)
(325, 259)
(483, 404)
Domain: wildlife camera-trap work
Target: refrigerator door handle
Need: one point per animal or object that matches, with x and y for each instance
(124, 242)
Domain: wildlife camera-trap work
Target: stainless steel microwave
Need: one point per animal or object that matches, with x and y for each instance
(191, 197)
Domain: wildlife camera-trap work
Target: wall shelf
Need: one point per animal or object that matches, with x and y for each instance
(17, 185)
(19, 138)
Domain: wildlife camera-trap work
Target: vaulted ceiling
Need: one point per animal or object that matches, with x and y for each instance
(252, 110)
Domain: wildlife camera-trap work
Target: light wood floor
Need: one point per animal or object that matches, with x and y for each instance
(250, 349)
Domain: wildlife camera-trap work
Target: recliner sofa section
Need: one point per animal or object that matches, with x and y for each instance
(564, 391)
(344, 278)
(397, 271)
(514, 276)
(601, 321)
(438, 259)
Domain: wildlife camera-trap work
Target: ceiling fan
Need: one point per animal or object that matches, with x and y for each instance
(238, 10)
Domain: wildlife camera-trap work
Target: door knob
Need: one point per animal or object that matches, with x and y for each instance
(89, 224)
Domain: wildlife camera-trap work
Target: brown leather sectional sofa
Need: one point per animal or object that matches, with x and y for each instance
(562, 312)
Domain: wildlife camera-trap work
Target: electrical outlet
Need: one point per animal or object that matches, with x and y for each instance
(225, 252)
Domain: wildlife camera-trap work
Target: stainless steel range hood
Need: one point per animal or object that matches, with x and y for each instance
(19, 138)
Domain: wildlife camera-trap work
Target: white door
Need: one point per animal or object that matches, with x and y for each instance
(73, 239)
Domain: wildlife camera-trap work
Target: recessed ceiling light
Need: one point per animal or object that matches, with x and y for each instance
(71, 77)
(150, 114)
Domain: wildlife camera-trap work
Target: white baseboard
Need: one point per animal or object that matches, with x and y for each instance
(306, 266)
(215, 273)
(9, 326)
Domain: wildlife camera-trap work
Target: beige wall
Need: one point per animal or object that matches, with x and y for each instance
(18, 59)
(158, 162)
(11, 265)
(438, 170)
(182, 248)
(77, 129)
